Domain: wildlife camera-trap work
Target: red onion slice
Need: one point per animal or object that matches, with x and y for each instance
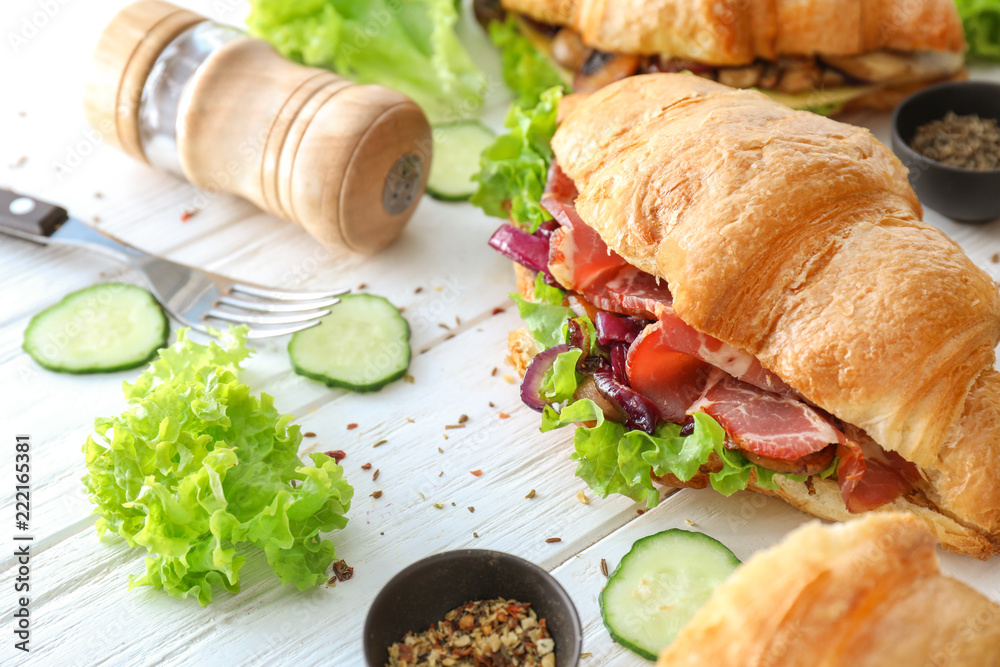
(617, 329)
(524, 248)
(534, 377)
(640, 412)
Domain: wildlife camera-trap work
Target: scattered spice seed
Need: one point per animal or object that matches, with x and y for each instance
(337, 455)
(690, 522)
(531, 494)
(375, 474)
(463, 419)
(439, 506)
(17, 164)
(96, 218)
(509, 379)
(362, 286)
(449, 427)
(471, 508)
(995, 257)
(98, 195)
(418, 290)
(440, 451)
(409, 379)
(351, 426)
(189, 213)
(586, 654)
(367, 466)
(453, 503)
(411, 420)
(475, 534)
(443, 326)
(551, 540)
(640, 512)
(342, 571)
(582, 497)
(477, 473)
(377, 494)
(438, 288)
(503, 415)
(458, 322)
(379, 443)
(308, 434)
(446, 436)
(491, 404)
(493, 374)
(497, 311)
(441, 474)
(604, 568)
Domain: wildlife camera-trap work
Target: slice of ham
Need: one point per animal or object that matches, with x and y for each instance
(762, 422)
(869, 476)
(581, 261)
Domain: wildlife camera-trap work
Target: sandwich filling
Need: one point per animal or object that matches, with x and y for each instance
(819, 82)
(622, 350)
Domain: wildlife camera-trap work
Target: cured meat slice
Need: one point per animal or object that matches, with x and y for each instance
(672, 380)
(762, 422)
(869, 476)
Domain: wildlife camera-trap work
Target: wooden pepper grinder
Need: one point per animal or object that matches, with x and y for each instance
(205, 101)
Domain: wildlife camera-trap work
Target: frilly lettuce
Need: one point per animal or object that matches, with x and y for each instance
(981, 20)
(526, 71)
(197, 467)
(514, 169)
(409, 45)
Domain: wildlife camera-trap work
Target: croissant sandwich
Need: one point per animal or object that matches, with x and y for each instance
(732, 293)
(817, 54)
(868, 592)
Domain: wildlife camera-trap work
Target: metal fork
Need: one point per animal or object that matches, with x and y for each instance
(194, 297)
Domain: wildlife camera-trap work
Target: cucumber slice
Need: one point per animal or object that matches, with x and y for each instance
(456, 159)
(659, 585)
(99, 329)
(362, 345)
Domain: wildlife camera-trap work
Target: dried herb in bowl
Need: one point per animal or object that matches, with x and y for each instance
(484, 632)
(968, 141)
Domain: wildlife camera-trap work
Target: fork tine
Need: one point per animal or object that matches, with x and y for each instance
(279, 307)
(250, 318)
(280, 295)
(272, 332)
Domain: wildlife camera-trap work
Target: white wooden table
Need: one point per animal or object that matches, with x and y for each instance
(449, 282)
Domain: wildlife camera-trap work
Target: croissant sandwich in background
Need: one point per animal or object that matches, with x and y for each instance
(868, 592)
(719, 290)
(817, 54)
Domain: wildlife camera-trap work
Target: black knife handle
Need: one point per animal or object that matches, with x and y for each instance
(27, 214)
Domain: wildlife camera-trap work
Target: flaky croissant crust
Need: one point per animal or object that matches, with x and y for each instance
(798, 239)
(735, 32)
(868, 592)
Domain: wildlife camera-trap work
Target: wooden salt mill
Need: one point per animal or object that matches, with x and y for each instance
(228, 113)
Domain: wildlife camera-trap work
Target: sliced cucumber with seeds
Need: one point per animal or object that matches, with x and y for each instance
(659, 585)
(99, 329)
(456, 159)
(362, 345)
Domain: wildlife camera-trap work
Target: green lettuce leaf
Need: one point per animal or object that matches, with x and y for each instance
(197, 466)
(562, 379)
(611, 459)
(408, 45)
(514, 169)
(526, 70)
(981, 20)
(545, 314)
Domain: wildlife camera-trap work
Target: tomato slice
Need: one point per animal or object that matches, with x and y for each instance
(670, 379)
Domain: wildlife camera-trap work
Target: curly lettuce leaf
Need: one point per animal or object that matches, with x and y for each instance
(408, 45)
(611, 459)
(526, 70)
(544, 315)
(197, 466)
(514, 169)
(981, 21)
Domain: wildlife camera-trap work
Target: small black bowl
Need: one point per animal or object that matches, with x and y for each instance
(421, 595)
(966, 195)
